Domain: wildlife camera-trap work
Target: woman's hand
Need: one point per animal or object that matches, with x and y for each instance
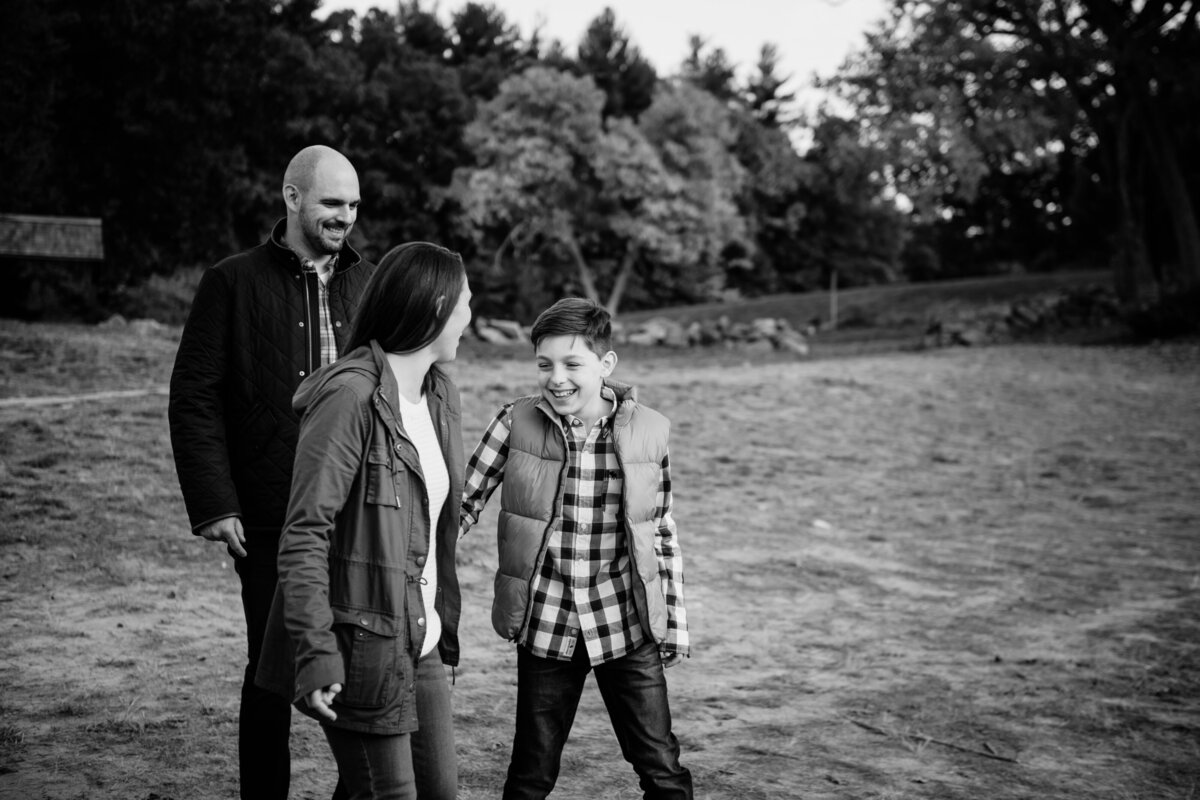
(319, 700)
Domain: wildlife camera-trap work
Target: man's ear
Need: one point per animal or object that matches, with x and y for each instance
(291, 197)
(608, 362)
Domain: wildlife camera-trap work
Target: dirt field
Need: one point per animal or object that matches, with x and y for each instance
(953, 574)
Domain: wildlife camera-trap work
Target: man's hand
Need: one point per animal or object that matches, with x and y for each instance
(227, 530)
(670, 659)
(319, 700)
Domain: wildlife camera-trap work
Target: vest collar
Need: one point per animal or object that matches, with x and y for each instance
(624, 395)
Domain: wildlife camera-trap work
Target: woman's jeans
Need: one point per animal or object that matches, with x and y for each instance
(405, 766)
(634, 689)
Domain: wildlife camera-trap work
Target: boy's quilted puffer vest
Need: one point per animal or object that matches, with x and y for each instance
(531, 506)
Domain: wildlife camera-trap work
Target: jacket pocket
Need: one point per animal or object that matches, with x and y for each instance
(381, 481)
(370, 661)
(509, 604)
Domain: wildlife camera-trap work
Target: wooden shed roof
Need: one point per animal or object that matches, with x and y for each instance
(27, 236)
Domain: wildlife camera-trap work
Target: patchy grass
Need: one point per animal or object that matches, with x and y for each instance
(950, 574)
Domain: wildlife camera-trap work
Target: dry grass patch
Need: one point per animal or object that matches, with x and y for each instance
(954, 574)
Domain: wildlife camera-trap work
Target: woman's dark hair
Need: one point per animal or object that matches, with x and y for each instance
(408, 300)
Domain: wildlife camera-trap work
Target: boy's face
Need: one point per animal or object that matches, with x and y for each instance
(570, 376)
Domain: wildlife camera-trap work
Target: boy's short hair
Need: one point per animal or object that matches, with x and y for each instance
(575, 316)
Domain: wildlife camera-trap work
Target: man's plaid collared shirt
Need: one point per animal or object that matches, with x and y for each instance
(329, 351)
(584, 589)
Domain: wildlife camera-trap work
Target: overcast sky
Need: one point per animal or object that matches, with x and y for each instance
(812, 35)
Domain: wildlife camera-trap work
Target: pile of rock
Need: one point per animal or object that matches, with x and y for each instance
(760, 335)
(764, 334)
(499, 331)
(1053, 312)
(141, 327)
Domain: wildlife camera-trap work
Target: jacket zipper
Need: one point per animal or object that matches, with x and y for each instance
(308, 326)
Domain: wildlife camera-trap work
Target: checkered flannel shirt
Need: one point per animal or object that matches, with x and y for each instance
(584, 588)
(329, 352)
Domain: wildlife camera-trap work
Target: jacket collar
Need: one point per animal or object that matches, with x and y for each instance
(347, 258)
(371, 360)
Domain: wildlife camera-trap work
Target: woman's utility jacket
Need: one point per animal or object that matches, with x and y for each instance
(348, 608)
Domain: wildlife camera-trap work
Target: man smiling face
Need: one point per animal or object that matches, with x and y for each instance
(322, 197)
(328, 210)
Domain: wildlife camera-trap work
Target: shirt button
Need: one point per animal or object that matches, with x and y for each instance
(421, 622)
(420, 561)
(301, 324)
(583, 528)
(301, 373)
(337, 324)
(364, 622)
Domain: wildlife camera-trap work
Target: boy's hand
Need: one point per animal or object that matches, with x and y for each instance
(670, 659)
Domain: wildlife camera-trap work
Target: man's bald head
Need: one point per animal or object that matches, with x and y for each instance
(320, 190)
(305, 165)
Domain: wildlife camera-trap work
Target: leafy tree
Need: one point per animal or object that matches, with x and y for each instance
(695, 134)
(413, 124)
(985, 87)
(617, 67)
(485, 48)
(32, 62)
(532, 144)
(774, 202)
(600, 208)
(710, 71)
(153, 141)
(423, 31)
(764, 90)
(307, 90)
(852, 232)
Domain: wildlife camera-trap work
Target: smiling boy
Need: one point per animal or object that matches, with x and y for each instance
(590, 574)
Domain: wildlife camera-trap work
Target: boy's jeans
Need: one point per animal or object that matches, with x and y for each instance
(634, 689)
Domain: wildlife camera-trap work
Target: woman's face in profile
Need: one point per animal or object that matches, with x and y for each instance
(445, 347)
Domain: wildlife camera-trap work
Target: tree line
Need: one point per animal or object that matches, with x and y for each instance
(966, 137)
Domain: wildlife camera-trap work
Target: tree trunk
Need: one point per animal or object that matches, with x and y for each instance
(618, 290)
(1176, 195)
(586, 281)
(1130, 259)
(509, 239)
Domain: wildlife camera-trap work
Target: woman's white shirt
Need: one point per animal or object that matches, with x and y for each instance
(418, 424)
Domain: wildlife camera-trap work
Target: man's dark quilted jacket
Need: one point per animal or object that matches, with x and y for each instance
(250, 339)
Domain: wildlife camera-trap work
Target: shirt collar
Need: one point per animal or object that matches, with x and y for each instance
(605, 421)
(308, 265)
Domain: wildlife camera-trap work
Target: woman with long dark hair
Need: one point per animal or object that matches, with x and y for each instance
(365, 617)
